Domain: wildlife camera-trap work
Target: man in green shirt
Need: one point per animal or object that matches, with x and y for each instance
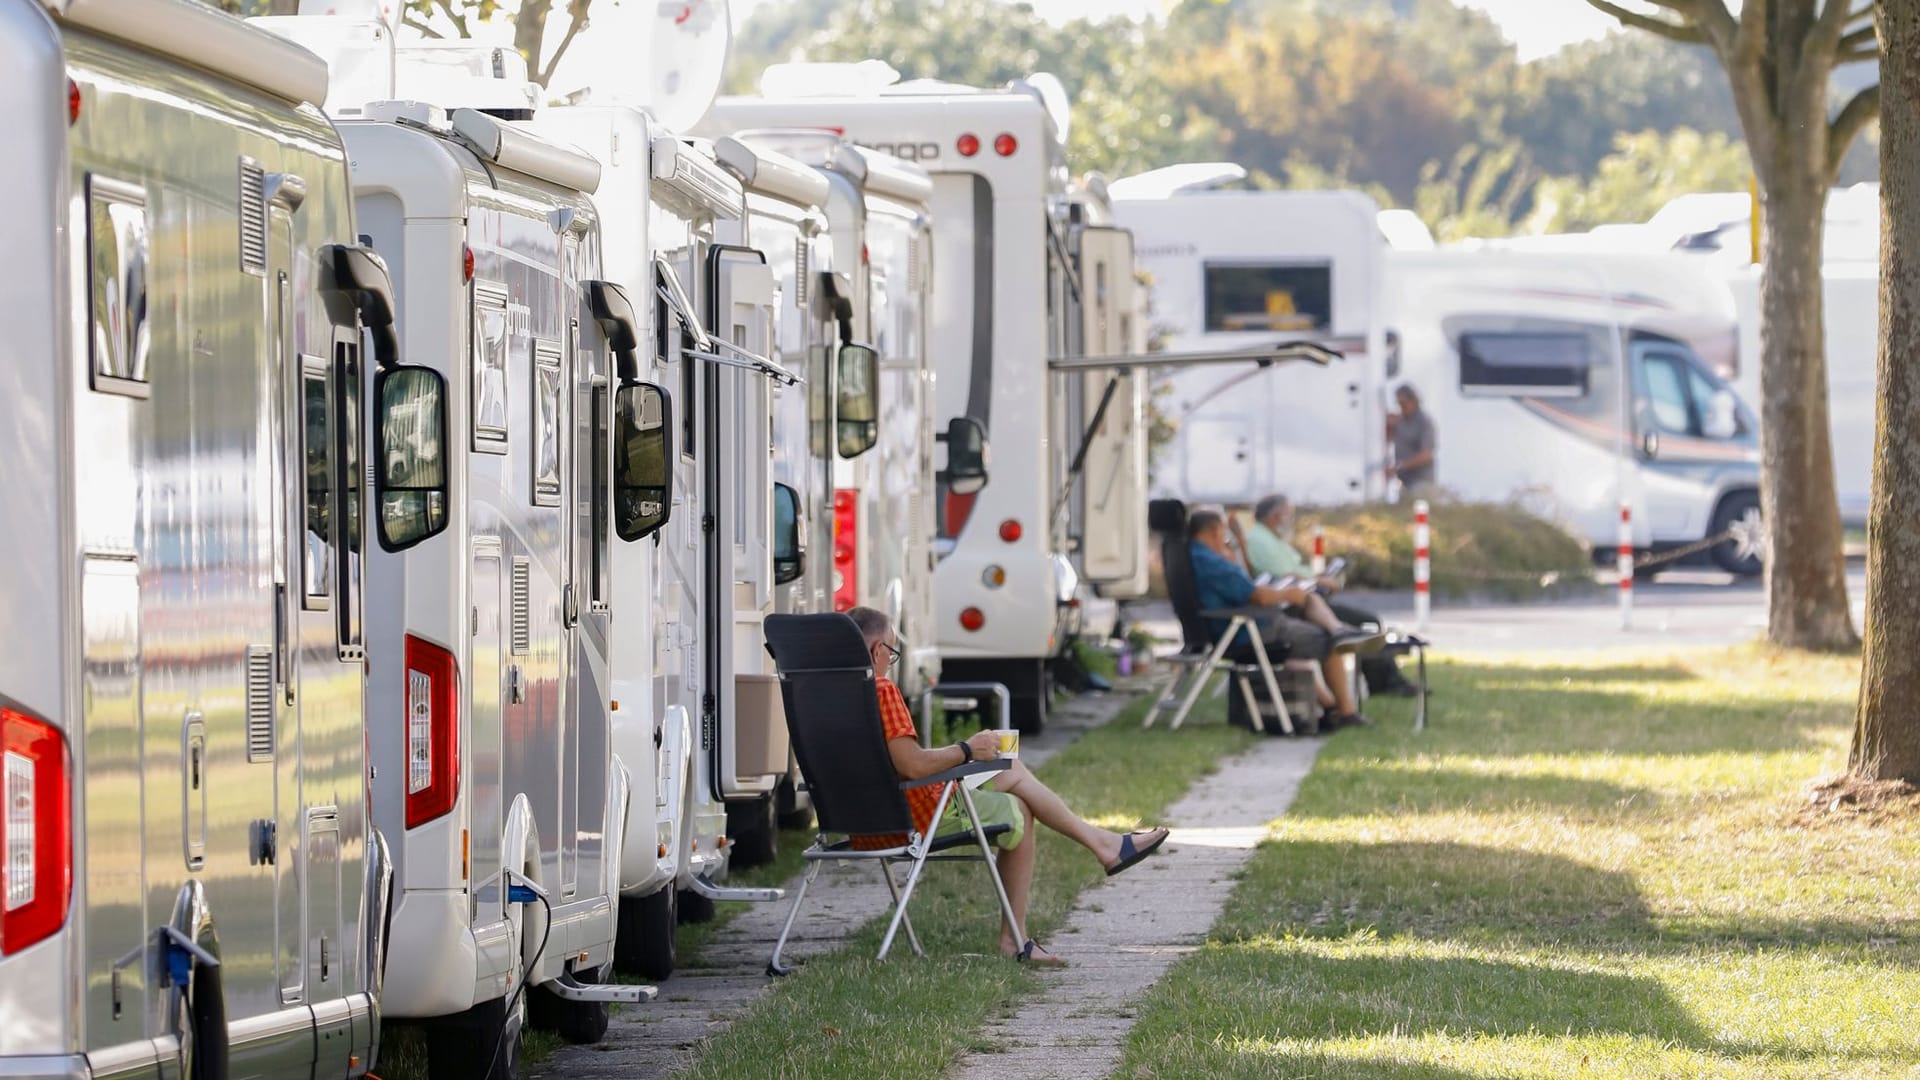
(1268, 549)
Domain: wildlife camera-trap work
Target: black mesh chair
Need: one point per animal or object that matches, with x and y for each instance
(833, 716)
(1202, 653)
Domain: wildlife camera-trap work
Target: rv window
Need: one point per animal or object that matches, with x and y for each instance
(117, 285)
(546, 423)
(346, 390)
(490, 367)
(1666, 388)
(600, 494)
(1538, 364)
(1718, 409)
(1292, 298)
(316, 405)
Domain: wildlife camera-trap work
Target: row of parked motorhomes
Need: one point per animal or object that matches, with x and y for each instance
(399, 469)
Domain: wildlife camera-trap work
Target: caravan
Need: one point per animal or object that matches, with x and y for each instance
(1518, 358)
(1233, 269)
(194, 886)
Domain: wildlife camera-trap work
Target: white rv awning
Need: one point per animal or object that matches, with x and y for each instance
(1321, 351)
(771, 173)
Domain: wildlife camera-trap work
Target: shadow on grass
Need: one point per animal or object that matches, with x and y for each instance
(1381, 788)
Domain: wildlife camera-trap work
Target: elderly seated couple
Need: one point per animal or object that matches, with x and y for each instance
(1308, 626)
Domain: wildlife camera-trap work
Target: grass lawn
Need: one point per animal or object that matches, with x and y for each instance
(844, 1015)
(1604, 867)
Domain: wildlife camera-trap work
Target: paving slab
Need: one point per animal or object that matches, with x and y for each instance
(1124, 933)
(662, 1038)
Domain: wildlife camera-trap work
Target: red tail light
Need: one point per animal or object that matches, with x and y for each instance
(972, 619)
(1010, 531)
(968, 145)
(73, 103)
(959, 509)
(433, 731)
(1005, 144)
(38, 830)
(846, 549)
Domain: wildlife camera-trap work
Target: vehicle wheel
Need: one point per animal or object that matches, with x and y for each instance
(482, 1043)
(645, 944)
(1030, 713)
(754, 836)
(579, 1022)
(790, 812)
(1739, 512)
(208, 1015)
(694, 908)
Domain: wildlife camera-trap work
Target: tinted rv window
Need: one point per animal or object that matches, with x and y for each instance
(316, 406)
(1533, 364)
(346, 389)
(117, 285)
(489, 367)
(1286, 298)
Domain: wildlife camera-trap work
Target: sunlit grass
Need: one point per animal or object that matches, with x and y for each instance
(1586, 867)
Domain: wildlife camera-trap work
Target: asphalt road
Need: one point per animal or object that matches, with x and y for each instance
(1680, 608)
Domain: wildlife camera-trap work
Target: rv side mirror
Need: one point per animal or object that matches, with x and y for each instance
(789, 554)
(642, 466)
(613, 311)
(360, 275)
(411, 482)
(857, 399)
(966, 471)
(1650, 445)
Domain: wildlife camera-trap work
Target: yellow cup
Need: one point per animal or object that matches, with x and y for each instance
(1009, 744)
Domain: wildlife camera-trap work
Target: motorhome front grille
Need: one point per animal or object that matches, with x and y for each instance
(800, 274)
(259, 703)
(521, 586)
(253, 217)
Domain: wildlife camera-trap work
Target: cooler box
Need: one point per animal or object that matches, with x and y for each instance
(760, 726)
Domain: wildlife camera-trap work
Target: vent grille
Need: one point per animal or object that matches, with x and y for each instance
(913, 264)
(253, 217)
(800, 275)
(521, 640)
(259, 703)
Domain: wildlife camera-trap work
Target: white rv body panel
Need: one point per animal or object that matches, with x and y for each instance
(1239, 269)
(1517, 359)
(989, 338)
(186, 652)
(515, 589)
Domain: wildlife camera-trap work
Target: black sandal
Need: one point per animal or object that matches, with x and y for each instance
(1131, 854)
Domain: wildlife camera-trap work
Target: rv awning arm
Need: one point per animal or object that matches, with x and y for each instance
(1322, 352)
(744, 358)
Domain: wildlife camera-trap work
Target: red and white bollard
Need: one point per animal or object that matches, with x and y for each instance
(1626, 567)
(1319, 551)
(1422, 566)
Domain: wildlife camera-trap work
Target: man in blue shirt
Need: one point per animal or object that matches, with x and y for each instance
(1220, 583)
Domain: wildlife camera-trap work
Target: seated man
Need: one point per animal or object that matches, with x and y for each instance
(1013, 798)
(1222, 583)
(1268, 551)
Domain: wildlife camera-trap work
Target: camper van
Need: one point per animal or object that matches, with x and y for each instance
(193, 884)
(1518, 358)
(688, 608)
(1233, 269)
(1003, 582)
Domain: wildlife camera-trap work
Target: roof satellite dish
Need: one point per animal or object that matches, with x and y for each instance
(677, 75)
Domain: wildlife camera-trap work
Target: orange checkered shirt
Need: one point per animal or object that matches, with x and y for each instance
(897, 723)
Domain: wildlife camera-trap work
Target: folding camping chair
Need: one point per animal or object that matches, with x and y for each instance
(833, 716)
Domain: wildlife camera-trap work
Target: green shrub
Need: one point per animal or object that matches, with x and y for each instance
(1495, 548)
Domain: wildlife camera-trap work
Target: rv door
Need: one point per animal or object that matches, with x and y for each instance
(1113, 459)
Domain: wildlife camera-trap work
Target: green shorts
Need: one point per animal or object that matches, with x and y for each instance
(994, 808)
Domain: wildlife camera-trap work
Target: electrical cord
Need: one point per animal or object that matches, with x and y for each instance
(525, 977)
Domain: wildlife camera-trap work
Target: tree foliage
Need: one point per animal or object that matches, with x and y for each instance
(1645, 168)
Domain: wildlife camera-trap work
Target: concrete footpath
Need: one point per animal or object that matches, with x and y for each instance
(1124, 933)
(697, 1003)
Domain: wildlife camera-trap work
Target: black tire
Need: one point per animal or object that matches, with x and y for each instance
(752, 833)
(479, 1044)
(208, 1015)
(581, 1023)
(1740, 508)
(694, 908)
(1030, 713)
(645, 945)
(788, 810)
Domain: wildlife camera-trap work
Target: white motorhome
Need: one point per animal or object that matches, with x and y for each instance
(1518, 358)
(193, 884)
(997, 162)
(1235, 269)
(688, 682)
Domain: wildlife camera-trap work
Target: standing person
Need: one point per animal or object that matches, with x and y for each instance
(1014, 798)
(1269, 550)
(1221, 583)
(1413, 444)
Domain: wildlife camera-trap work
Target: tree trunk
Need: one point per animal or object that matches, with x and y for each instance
(1886, 734)
(1806, 572)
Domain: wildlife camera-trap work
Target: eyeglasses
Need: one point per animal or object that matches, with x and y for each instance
(893, 653)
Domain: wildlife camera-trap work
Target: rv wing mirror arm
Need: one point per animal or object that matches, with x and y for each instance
(358, 275)
(614, 312)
